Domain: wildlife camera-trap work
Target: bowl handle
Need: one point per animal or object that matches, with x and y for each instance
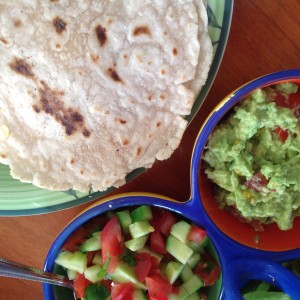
(240, 271)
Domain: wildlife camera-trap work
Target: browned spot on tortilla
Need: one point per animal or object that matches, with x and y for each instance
(141, 30)
(158, 124)
(94, 58)
(110, 21)
(138, 151)
(36, 108)
(125, 56)
(58, 46)
(72, 161)
(63, 169)
(149, 97)
(59, 24)
(22, 67)
(175, 52)
(114, 75)
(125, 142)
(18, 23)
(3, 155)
(162, 96)
(101, 35)
(81, 172)
(165, 33)
(120, 120)
(163, 71)
(51, 103)
(4, 41)
(150, 135)
(86, 132)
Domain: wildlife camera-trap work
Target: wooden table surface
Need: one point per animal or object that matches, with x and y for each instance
(264, 37)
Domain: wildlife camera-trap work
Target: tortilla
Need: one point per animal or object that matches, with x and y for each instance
(91, 90)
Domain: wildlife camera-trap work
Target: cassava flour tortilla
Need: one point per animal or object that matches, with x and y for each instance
(91, 90)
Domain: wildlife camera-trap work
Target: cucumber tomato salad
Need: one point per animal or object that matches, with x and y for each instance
(142, 253)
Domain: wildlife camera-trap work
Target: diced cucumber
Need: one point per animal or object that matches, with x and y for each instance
(124, 273)
(142, 213)
(263, 295)
(194, 296)
(73, 261)
(97, 234)
(190, 287)
(92, 244)
(154, 254)
(181, 230)
(194, 259)
(91, 273)
(173, 270)
(71, 274)
(137, 243)
(138, 229)
(125, 220)
(139, 295)
(186, 273)
(178, 249)
(97, 260)
(199, 247)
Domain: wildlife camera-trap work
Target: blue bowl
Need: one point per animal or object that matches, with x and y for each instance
(240, 258)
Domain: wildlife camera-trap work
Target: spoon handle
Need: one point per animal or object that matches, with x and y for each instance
(16, 270)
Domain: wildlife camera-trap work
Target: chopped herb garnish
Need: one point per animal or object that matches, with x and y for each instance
(128, 257)
(103, 270)
(96, 291)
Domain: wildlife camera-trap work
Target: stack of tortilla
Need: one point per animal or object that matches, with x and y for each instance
(91, 90)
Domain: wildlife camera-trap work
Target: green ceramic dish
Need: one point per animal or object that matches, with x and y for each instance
(18, 198)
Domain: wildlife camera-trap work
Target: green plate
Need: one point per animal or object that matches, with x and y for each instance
(18, 198)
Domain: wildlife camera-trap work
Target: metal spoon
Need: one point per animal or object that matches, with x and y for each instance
(16, 270)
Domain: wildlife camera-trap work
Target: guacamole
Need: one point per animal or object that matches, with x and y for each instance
(253, 156)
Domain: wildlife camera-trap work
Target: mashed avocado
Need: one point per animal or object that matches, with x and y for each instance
(254, 157)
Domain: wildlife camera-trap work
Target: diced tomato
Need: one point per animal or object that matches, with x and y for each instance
(281, 133)
(257, 183)
(155, 264)
(281, 99)
(157, 242)
(143, 266)
(80, 284)
(196, 234)
(114, 261)
(156, 289)
(111, 239)
(122, 291)
(166, 221)
(166, 285)
(208, 269)
(294, 100)
(75, 239)
(90, 257)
